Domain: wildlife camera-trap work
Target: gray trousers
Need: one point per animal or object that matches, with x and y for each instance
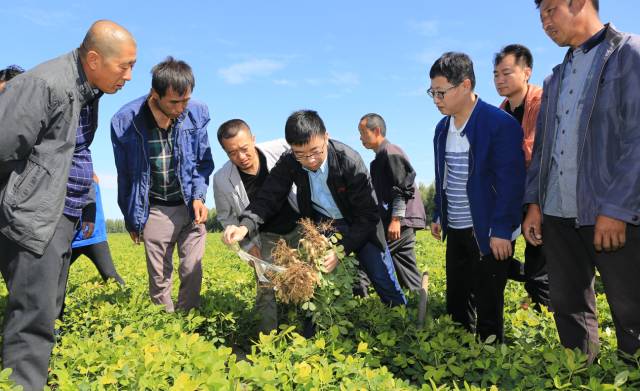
(572, 262)
(266, 308)
(36, 286)
(169, 227)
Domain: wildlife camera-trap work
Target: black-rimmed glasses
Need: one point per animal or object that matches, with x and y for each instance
(439, 94)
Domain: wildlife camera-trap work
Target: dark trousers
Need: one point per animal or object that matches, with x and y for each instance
(100, 255)
(533, 272)
(403, 253)
(36, 286)
(571, 260)
(378, 266)
(475, 285)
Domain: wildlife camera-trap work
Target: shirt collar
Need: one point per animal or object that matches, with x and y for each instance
(594, 41)
(87, 92)
(321, 170)
(382, 146)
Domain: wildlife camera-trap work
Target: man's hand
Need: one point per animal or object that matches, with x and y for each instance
(233, 234)
(87, 229)
(532, 225)
(200, 212)
(436, 229)
(331, 261)
(393, 233)
(135, 237)
(610, 234)
(501, 248)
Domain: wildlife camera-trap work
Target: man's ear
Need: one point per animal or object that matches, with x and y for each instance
(576, 6)
(93, 59)
(154, 94)
(527, 73)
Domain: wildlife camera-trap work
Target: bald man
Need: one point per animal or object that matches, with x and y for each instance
(48, 117)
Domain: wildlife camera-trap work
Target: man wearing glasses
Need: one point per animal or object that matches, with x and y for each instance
(236, 185)
(332, 184)
(480, 175)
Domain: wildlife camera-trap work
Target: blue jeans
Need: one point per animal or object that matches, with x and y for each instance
(378, 266)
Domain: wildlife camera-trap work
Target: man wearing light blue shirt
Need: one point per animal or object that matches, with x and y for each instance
(333, 184)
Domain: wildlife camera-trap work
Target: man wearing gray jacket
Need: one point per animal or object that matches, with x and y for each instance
(48, 117)
(583, 181)
(235, 186)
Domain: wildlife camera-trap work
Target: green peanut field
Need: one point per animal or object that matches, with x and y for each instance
(113, 338)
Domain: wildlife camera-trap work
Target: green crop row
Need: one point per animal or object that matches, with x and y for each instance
(112, 338)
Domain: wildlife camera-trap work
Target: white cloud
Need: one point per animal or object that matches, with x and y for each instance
(429, 28)
(44, 18)
(344, 78)
(285, 82)
(244, 71)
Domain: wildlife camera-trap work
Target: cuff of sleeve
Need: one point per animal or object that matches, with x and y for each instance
(250, 224)
(501, 232)
(530, 198)
(399, 207)
(616, 212)
(200, 194)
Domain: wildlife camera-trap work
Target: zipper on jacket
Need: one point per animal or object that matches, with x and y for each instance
(146, 159)
(473, 228)
(546, 118)
(442, 179)
(176, 128)
(584, 141)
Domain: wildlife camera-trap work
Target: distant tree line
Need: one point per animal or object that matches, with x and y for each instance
(213, 225)
(427, 193)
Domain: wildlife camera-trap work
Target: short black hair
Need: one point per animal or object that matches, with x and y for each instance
(596, 4)
(174, 74)
(302, 126)
(10, 72)
(230, 129)
(520, 52)
(455, 67)
(375, 121)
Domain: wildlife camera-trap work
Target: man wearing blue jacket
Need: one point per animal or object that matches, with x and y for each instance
(583, 183)
(164, 161)
(480, 175)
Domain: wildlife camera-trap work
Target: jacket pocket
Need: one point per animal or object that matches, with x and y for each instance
(35, 178)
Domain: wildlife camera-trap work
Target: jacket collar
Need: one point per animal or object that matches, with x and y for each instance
(87, 93)
(608, 35)
(596, 39)
(383, 146)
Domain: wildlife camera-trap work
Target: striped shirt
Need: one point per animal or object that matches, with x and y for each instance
(81, 171)
(456, 159)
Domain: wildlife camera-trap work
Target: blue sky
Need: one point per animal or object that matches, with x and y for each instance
(261, 60)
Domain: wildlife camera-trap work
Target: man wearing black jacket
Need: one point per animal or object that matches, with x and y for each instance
(399, 201)
(333, 183)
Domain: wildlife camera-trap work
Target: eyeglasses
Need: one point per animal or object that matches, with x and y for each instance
(439, 94)
(313, 155)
